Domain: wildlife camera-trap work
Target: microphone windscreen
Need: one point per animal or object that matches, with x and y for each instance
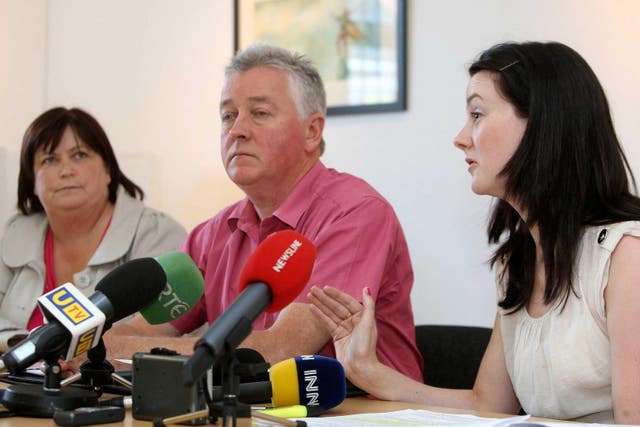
(132, 285)
(184, 287)
(317, 382)
(284, 261)
(245, 356)
(324, 376)
(248, 355)
(284, 383)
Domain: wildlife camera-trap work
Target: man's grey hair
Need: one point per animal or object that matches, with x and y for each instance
(304, 80)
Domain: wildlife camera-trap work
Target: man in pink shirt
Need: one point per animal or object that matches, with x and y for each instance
(273, 113)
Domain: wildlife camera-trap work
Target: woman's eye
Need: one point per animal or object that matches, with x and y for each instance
(475, 115)
(48, 160)
(80, 155)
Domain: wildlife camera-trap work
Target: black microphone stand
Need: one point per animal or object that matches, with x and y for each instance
(35, 400)
(229, 408)
(97, 372)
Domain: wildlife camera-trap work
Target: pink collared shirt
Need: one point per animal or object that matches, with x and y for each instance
(359, 242)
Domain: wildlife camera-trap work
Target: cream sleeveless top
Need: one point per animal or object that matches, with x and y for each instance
(559, 363)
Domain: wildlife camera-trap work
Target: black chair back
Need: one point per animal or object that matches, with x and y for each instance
(451, 354)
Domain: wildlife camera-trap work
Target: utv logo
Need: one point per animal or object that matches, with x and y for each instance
(311, 387)
(85, 340)
(69, 306)
(288, 253)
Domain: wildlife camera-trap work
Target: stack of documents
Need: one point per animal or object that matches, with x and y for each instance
(420, 417)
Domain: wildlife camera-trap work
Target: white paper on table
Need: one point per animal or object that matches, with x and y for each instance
(406, 418)
(422, 417)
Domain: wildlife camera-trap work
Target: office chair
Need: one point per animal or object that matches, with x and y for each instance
(451, 354)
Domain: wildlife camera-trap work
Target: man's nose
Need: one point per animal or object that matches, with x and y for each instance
(240, 128)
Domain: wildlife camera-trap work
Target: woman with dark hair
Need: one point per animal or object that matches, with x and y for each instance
(566, 340)
(80, 217)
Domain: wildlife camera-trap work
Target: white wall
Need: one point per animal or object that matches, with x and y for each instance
(151, 72)
(23, 29)
(415, 165)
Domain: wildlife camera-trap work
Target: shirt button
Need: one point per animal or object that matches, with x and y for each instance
(602, 235)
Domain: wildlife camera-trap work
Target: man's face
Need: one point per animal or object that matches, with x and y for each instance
(262, 138)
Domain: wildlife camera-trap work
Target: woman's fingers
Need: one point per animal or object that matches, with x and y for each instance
(349, 304)
(367, 299)
(338, 310)
(331, 320)
(331, 307)
(331, 324)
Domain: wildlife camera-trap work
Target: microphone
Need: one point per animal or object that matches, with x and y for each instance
(123, 291)
(184, 288)
(311, 384)
(273, 276)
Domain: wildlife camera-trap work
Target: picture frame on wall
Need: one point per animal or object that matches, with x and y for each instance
(358, 46)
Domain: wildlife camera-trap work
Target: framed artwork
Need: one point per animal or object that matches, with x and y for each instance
(359, 46)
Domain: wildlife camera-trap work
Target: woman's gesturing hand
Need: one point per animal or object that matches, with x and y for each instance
(352, 326)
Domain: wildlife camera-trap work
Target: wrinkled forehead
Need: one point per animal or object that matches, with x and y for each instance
(233, 79)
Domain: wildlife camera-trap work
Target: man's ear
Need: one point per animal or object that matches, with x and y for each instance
(313, 132)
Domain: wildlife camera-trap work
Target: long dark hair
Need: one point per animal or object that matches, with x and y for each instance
(568, 172)
(46, 132)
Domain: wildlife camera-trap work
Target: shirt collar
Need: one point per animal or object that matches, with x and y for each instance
(28, 231)
(122, 230)
(244, 215)
(300, 198)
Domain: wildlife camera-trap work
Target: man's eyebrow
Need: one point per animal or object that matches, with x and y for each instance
(224, 103)
(252, 99)
(259, 99)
